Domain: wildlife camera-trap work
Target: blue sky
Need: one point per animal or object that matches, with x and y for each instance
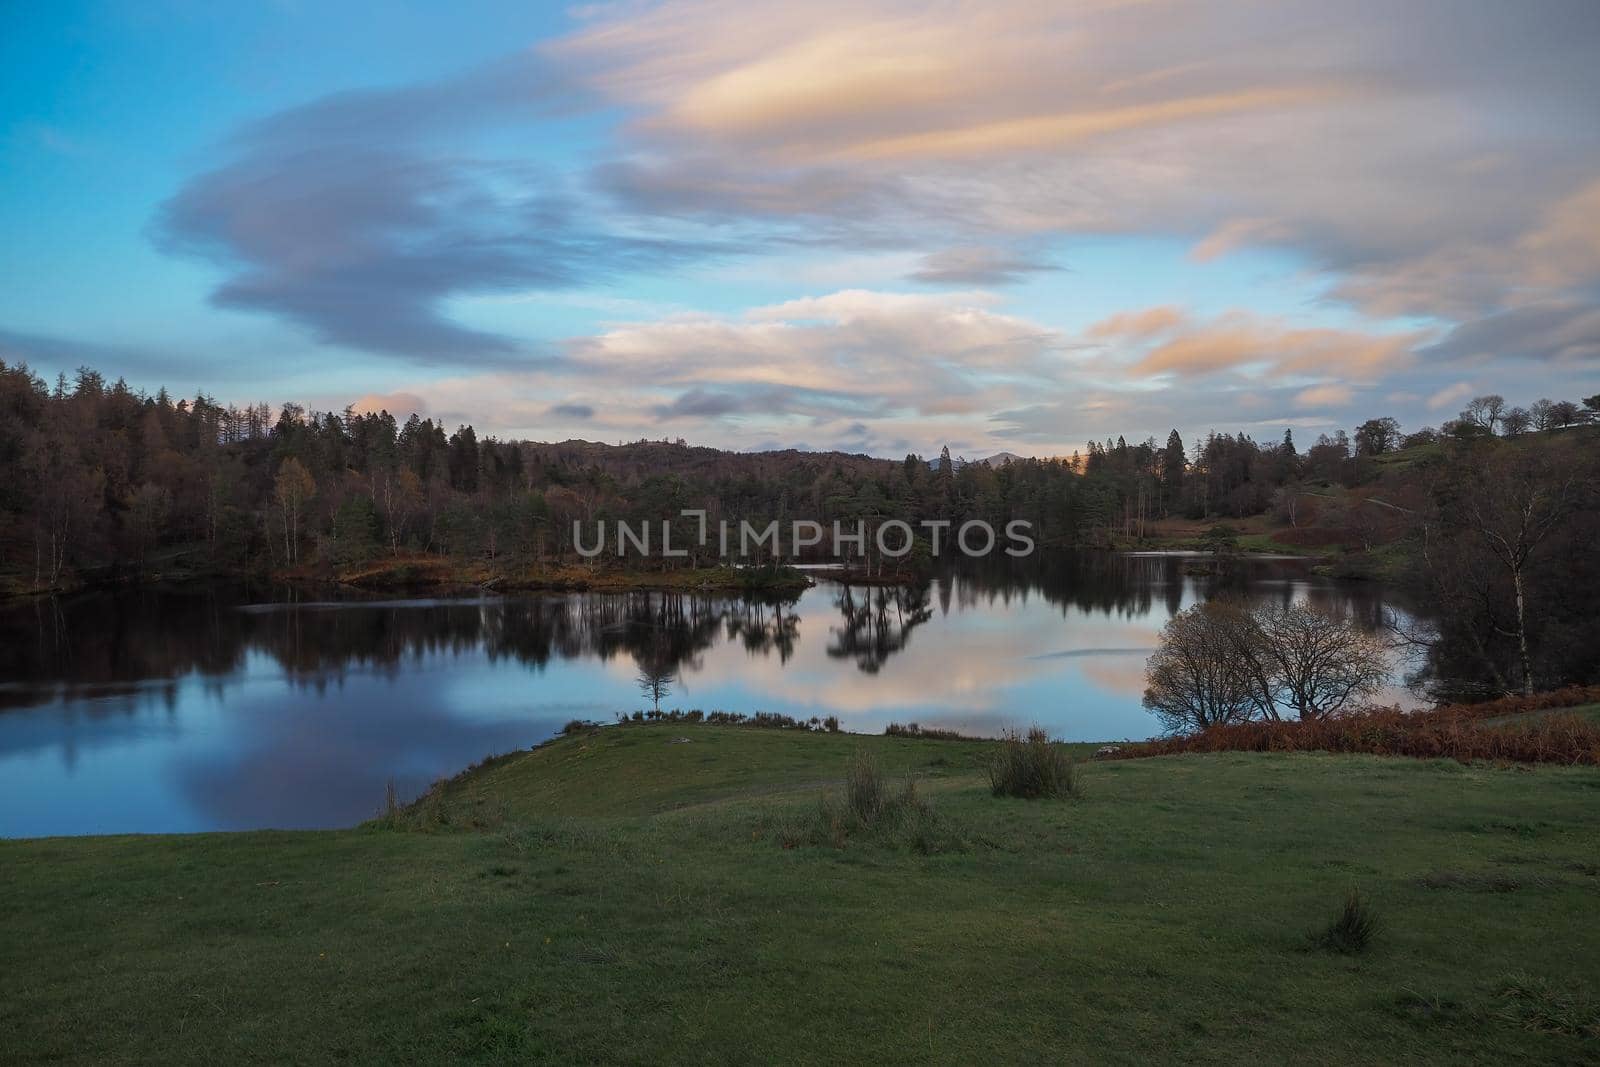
(877, 226)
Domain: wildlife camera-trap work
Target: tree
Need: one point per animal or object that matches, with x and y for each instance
(147, 514)
(1377, 436)
(292, 488)
(355, 529)
(1197, 677)
(1508, 503)
(1484, 411)
(1316, 663)
(1541, 410)
(1565, 413)
(1591, 404)
(1224, 661)
(1173, 466)
(1516, 422)
(1329, 458)
(463, 462)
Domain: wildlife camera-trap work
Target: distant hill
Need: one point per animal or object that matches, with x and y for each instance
(999, 459)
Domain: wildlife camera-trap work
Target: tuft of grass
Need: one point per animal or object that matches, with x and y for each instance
(1353, 929)
(1538, 1005)
(871, 809)
(1032, 767)
(393, 810)
(865, 792)
(1475, 883)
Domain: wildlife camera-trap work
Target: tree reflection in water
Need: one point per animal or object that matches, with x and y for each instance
(135, 641)
(877, 622)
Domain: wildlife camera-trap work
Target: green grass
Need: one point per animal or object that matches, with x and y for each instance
(637, 900)
(1266, 543)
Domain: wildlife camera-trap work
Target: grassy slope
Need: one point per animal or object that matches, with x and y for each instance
(631, 902)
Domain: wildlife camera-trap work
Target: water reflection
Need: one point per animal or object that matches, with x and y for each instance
(877, 623)
(207, 708)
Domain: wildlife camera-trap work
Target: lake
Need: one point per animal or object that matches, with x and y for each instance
(221, 708)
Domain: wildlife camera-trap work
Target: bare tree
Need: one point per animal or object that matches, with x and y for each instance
(1317, 663)
(1222, 662)
(1484, 411)
(1516, 422)
(1541, 411)
(1509, 503)
(655, 682)
(1197, 677)
(1565, 413)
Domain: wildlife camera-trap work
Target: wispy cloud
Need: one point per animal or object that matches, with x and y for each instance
(1438, 205)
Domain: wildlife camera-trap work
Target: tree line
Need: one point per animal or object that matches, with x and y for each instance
(100, 477)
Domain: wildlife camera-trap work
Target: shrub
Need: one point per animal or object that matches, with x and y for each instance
(894, 729)
(1352, 930)
(1032, 767)
(1461, 732)
(575, 726)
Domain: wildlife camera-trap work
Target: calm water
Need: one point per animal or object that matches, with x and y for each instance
(220, 709)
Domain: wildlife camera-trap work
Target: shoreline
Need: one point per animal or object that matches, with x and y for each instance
(440, 574)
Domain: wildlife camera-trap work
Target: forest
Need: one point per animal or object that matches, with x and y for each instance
(1487, 515)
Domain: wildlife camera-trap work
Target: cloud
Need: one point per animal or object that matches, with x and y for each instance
(1566, 332)
(1324, 396)
(1454, 183)
(1167, 341)
(872, 371)
(400, 405)
(195, 364)
(852, 354)
(1405, 173)
(976, 265)
(1449, 396)
(357, 216)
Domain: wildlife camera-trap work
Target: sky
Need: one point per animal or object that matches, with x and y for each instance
(882, 227)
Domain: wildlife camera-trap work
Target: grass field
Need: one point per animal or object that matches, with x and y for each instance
(625, 897)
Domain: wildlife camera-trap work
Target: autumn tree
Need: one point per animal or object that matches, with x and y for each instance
(293, 488)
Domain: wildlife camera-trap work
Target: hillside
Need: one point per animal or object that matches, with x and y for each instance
(624, 896)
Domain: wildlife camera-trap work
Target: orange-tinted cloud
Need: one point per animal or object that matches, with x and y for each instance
(1166, 341)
